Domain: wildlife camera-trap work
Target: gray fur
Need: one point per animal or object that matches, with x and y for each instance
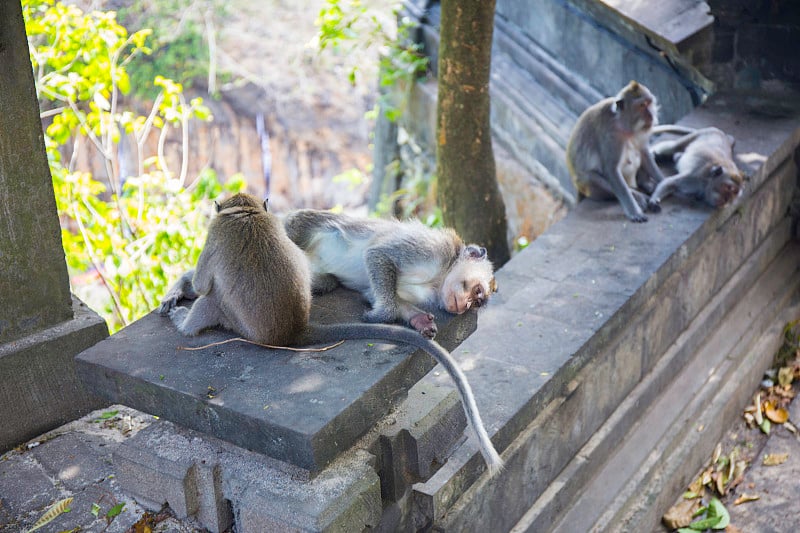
(401, 268)
(607, 153)
(252, 279)
(705, 167)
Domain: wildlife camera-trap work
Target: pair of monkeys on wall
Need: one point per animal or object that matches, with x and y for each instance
(609, 156)
(256, 274)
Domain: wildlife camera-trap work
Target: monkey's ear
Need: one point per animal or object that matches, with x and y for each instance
(475, 252)
(266, 205)
(216, 206)
(716, 171)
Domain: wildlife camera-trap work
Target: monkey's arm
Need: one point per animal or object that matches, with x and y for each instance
(183, 288)
(632, 201)
(383, 270)
(652, 175)
(684, 183)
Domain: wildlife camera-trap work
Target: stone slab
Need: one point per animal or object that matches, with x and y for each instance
(41, 389)
(218, 483)
(303, 408)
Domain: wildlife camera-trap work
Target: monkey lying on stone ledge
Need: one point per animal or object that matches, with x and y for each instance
(252, 279)
(397, 266)
(705, 165)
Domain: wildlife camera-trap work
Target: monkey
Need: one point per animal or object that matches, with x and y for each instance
(397, 266)
(252, 279)
(705, 167)
(607, 152)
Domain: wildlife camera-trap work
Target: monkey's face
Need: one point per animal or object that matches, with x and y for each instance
(638, 106)
(469, 283)
(724, 185)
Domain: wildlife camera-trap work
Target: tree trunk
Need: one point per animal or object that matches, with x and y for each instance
(468, 194)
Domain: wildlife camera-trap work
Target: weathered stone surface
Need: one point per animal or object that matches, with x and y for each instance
(653, 279)
(215, 482)
(304, 408)
(41, 383)
(33, 274)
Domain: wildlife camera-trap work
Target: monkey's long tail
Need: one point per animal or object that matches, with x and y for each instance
(321, 334)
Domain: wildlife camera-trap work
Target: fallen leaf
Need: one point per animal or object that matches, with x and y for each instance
(785, 375)
(717, 453)
(765, 426)
(52, 513)
(790, 427)
(775, 459)
(744, 498)
(680, 515)
(757, 412)
(779, 415)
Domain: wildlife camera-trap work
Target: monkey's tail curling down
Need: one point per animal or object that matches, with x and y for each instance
(318, 334)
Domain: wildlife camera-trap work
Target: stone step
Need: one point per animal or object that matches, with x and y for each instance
(705, 388)
(301, 408)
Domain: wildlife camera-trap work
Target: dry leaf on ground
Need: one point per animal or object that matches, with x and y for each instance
(774, 459)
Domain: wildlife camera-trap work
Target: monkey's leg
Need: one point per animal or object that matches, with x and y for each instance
(323, 283)
(183, 288)
(616, 186)
(666, 150)
(204, 314)
(382, 274)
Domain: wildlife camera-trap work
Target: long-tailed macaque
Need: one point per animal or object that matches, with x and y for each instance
(253, 280)
(705, 167)
(607, 153)
(397, 266)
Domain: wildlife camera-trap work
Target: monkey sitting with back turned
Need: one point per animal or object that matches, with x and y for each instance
(397, 266)
(607, 152)
(705, 167)
(252, 279)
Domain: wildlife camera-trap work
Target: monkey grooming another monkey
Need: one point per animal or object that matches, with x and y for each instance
(397, 266)
(253, 280)
(705, 167)
(607, 153)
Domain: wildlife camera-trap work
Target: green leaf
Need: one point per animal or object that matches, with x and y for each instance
(717, 509)
(115, 511)
(108, 414)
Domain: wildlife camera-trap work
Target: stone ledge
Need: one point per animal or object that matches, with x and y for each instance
(39, 377)
(594, 301)
(302, 408)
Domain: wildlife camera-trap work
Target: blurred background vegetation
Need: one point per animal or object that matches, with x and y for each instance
(135, 218)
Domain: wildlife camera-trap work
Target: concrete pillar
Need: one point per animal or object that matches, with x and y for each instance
(42, 327)
(34, 288)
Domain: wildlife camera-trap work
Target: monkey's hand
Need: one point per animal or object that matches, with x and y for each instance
(167, 305)
(183, 288)
(654, 206)
(423, 322)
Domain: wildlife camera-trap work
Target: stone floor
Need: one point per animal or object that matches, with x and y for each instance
(74, 461)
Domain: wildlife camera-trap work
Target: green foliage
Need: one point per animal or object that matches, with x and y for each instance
(124, 239)
(180, 43)
(347, 25)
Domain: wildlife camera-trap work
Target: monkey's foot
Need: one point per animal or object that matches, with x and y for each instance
(654, 206)
(638, 217)
(423, 322)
